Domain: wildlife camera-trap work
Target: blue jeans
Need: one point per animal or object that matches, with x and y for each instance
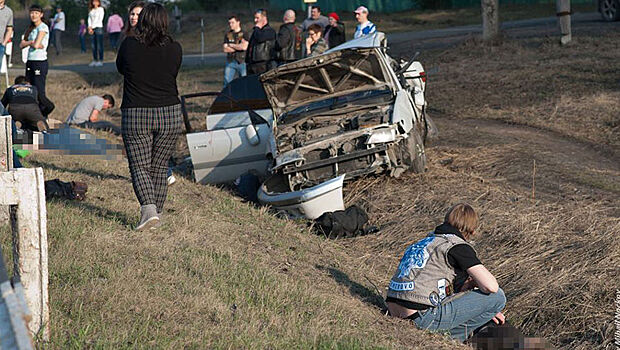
(82, 43)
(98, 44)
(233, 70)
(463, 314)
(2, 50)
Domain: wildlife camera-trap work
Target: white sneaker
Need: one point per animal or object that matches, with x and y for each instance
(99, 64)
(92, 64)
(171, 180)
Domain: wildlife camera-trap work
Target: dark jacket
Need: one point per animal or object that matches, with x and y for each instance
(150, 73)
(286, 44)
(262, 43)
(335, 35)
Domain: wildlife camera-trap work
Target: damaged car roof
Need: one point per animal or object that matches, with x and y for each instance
(315, 78)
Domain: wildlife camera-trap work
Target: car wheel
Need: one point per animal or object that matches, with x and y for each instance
(414, 155)
(609, 9)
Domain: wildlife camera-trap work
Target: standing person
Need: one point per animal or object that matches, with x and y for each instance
(134, 14)
(6, 26)
(36, 39)
(334, 32)
(315, 18)
(315, 44)
(288, 44)
(82, 35)
(260, 54)
(235, 46)
(441, 284)
(364, 26)
(151, 110)
(86, 114)
(59, 28)
(95, 28)
(114, 28)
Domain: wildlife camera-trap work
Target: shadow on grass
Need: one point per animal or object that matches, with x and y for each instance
(357, 290)
(96, 174)
(101, 212)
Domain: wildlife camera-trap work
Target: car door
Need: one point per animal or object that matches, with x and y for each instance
(233, 144)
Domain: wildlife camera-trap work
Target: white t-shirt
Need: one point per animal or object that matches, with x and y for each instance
(364, 29)
(39, 54)
(60, 25)
(95, 17)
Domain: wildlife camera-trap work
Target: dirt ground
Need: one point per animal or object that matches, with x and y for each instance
(529, 135)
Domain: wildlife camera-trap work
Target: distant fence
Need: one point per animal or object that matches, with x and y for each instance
(348, 5)
(402, 5)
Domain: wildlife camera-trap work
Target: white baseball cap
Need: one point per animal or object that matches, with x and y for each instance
(361, 9)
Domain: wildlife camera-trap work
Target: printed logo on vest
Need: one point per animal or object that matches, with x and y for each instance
(434, 298)
(400, 287)
(415, 257)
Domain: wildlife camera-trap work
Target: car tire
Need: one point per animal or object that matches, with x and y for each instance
(609, 9)
(414, 155)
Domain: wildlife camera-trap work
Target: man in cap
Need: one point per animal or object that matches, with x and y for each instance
(364, 27)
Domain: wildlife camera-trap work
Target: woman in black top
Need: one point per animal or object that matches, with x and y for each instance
(151, 110)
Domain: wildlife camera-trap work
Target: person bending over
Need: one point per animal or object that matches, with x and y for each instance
(441, 284)
(22, 102)
(86, 114)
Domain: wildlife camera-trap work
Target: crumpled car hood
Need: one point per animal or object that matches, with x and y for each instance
(329, 75)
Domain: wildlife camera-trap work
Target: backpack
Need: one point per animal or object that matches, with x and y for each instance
(343, 223)
(65, 190)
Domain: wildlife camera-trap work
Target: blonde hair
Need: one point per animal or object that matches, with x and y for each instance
(464, 218)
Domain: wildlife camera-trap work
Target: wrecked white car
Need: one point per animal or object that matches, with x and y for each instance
(350, 112)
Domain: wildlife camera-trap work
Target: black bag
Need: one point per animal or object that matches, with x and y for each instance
(65, 190)
(343, 223)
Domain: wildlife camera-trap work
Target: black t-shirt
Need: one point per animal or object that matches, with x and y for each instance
(461, 256)
(150, 73)
(20, 94)
(235, 38)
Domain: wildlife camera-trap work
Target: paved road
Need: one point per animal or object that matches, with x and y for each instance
(405, 41)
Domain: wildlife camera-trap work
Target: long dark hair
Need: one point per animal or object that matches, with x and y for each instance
(31, 27)
(152, 28)
(129, 30)
(91, 4)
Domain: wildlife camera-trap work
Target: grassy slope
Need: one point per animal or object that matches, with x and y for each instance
(222, 274)
(218, 274)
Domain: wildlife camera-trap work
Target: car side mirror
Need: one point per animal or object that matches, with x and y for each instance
(252, 135)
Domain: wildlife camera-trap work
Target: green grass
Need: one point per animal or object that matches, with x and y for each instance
(218, 274)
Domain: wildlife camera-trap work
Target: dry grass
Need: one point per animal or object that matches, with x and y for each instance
(223, 274)
(574, 90)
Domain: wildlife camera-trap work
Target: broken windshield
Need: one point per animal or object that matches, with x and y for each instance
(339, 103)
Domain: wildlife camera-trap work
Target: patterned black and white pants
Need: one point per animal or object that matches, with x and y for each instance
(150, 136)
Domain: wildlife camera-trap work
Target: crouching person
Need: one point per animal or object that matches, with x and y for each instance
(441, 284)
(86, 114)
(22, 102)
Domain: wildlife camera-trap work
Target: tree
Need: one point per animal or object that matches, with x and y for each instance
(490, 20)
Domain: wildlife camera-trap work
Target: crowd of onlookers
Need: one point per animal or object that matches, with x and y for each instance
(264, 49)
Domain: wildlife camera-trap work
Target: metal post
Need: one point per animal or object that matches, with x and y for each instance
(202, 39)
(309, 10)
